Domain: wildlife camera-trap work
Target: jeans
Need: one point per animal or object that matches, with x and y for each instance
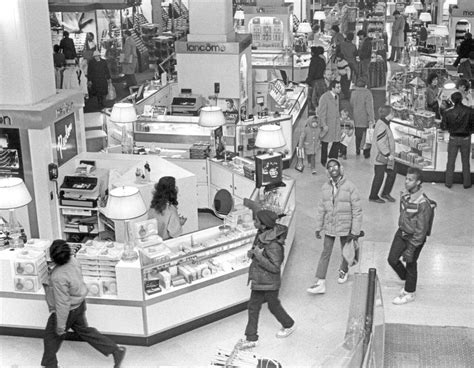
(379, 171)
(257, 298)
(396, 53)
(77, 321)
(409, 273)
(456, 144)
(326, 256)
(333, 153)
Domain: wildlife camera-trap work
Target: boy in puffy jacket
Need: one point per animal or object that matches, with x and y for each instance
(267, 255)
(413, 227)
(65, 292)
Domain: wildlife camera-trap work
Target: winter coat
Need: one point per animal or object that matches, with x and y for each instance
(349, 51)
(130, 54)
(98, 74)
(316, 69)
(383, 142)
(339, 210)
(397, 32)
(65, 290)
(69, 50)
(466, 70)
(265, 269)
(362, 104)
(310, 138)
(415, 215)
(328, 113)
(365, 49)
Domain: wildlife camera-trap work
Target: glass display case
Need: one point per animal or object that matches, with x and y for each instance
(415, 146)
(294, 64)
(440, 60)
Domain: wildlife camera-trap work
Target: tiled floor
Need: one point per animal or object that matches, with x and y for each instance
(445, 296)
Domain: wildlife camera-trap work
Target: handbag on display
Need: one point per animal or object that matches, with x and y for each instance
(299, 159)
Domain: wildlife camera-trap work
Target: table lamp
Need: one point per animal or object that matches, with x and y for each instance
(319, 16)
(13, 195)
(410, 10)
(270, 137)
(441, 33)
(125, 204)
(211, 117)
(425, 17)
(124, 113)
(239, 18)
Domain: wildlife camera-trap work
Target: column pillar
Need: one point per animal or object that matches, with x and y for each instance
(26, 63)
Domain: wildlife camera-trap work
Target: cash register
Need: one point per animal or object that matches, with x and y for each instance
(186, 103)
(79, 191)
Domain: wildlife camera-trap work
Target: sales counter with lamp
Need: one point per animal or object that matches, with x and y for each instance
(174, 286)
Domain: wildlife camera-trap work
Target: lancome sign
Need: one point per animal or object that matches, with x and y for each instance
(207, 47)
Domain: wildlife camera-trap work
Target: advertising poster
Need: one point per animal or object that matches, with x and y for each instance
(65, 139)
(11, 161)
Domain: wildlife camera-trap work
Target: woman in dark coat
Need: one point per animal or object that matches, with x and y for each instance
(98, 77)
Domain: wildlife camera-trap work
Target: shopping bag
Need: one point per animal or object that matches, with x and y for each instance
(111, 93)
(350, 252)
(369, 135)
(299, 159)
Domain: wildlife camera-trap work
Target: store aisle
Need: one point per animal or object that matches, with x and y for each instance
(444, 297)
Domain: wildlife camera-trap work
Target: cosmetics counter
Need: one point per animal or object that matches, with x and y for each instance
(176, 285)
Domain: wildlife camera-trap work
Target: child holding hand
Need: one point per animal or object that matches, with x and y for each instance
(310, 140)
(347, 129)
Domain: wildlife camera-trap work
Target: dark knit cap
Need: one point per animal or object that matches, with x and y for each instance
(268, 218)
(333, 160)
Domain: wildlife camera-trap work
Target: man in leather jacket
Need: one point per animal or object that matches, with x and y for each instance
(413, 228)
(459, 122)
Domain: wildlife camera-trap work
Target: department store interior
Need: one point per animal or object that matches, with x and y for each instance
(218, 99)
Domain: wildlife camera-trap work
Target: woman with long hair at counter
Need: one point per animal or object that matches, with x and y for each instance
(164, 208)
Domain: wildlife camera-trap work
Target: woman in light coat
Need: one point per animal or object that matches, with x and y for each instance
(382, 157)
(130, 59)
(397, 41)
(362, 104)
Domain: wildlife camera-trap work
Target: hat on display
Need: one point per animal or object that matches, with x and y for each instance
(96, 53)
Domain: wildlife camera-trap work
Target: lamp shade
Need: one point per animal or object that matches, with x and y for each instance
(304, 27)
(449, 84)
(425, 17)
(211, 117)
(125, 203)
(417, 82)
(441, 31)
(239, 15)
(418, 5)
(13, 193)
(123, 113)
(410, 9)
(270, 136)
(319, 15)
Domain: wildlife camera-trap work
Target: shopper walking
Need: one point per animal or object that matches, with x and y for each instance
(397, 43)
(339, 214)
(89, 47)
(329, 117)
(316, 69)
(432, 94)
(98, 77)
(413, 227)
(459, 122)
(67, 47)
(59, 66)
(382, 157)
(130, 59)
(267, 255)
(343, 75)
(66, 292)
(349, 51)
(465, 47)
(310, 141)
(364, 54)
(362, 104)
(321, 86)
(164, 208)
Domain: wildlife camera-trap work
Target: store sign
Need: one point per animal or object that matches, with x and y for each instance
(463, 13)
(207, 47)
(5, 120)
(66, 144)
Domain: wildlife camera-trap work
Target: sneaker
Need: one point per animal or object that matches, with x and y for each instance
(318, 288)
(404, 298)
(246, 344)
(342, 277)
(376, 200)
(388, 197)
(314, 172)
(285, 332)
(119, 354)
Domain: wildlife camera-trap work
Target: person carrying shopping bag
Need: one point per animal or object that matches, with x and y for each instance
(310, 141)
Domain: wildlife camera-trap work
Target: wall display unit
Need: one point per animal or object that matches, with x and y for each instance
(11, 161)
(461, 20)
(293, 65)
(195, 269)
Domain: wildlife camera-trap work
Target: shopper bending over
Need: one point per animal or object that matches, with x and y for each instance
(339, 214)
(382, 157)
(413, 226)
(267, 255)
(164, 208)
(66, 292)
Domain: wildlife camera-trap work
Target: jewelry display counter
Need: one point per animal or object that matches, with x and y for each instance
(141, 305)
